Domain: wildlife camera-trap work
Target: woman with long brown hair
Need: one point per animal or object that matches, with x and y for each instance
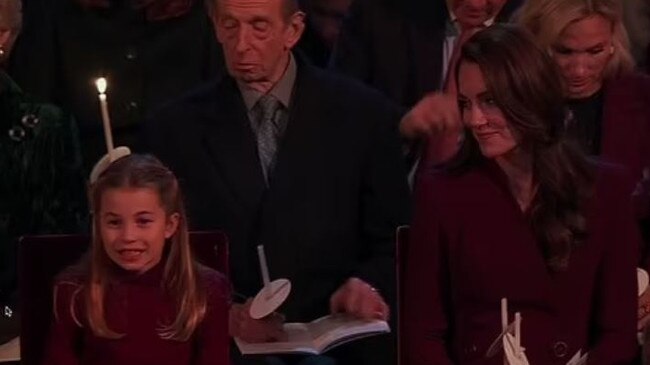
(139, 297)
(520, 213)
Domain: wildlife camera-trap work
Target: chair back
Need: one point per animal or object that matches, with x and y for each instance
(41, 258)
(402, 239)
(647, 60)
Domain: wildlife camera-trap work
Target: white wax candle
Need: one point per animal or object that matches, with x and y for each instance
(504, 314)
(263, 266)
(518, 331)
(504, 323)
(108, 134)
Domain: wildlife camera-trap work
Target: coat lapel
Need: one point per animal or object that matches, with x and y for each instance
(303, 138)
(527, 252)
(624, 125)
(231, 146)
(299, 134)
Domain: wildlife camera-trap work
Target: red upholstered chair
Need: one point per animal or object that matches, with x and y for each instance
(647, 60)
(400, 249)
(41, 258)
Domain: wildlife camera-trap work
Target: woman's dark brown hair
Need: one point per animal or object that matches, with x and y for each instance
(525, 84)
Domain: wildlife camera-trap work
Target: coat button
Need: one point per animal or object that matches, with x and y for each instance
(131, 54)
(132, 106)
(560, 349)
(17, 133)
(470, 349)
(29, 120)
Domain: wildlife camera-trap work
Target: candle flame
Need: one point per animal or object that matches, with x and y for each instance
(101, 85)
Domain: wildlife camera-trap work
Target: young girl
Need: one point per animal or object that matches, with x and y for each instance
(139, 297)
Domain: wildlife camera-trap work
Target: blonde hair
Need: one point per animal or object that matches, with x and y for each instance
(547, 19)
(181, 278)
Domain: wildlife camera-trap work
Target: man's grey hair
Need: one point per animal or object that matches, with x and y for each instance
(289, 7)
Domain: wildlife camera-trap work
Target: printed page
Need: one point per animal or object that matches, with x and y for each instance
(10, 351)
(299, 340)
(317, 336)
(338, 329)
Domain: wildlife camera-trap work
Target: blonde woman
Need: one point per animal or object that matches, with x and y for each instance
(139, 297)
(608, 101)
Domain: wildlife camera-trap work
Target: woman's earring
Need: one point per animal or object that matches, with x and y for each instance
(2, 52)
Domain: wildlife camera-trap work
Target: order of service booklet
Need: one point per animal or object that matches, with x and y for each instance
(316, 337)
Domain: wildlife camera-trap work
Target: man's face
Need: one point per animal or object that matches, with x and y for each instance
(257, 37)
(473, 13)
(326, 17)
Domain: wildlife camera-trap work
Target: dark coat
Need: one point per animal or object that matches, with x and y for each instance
(338, 190)
(41, 186)
(65, 47)
(337, 194)
(397, 46)
(625, 136)
(471, 246)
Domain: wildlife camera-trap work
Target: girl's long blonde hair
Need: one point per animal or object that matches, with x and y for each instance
(181, 279)
(547, 19)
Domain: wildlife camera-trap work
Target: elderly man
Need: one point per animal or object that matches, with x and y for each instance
(407, 49)
(282, 154)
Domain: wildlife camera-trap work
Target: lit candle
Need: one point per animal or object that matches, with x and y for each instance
(108, 134)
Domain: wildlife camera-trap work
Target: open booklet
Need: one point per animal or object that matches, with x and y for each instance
(317, 336)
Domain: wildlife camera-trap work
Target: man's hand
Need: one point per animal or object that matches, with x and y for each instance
(243, 326)
(359, 299)
(435, 113)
